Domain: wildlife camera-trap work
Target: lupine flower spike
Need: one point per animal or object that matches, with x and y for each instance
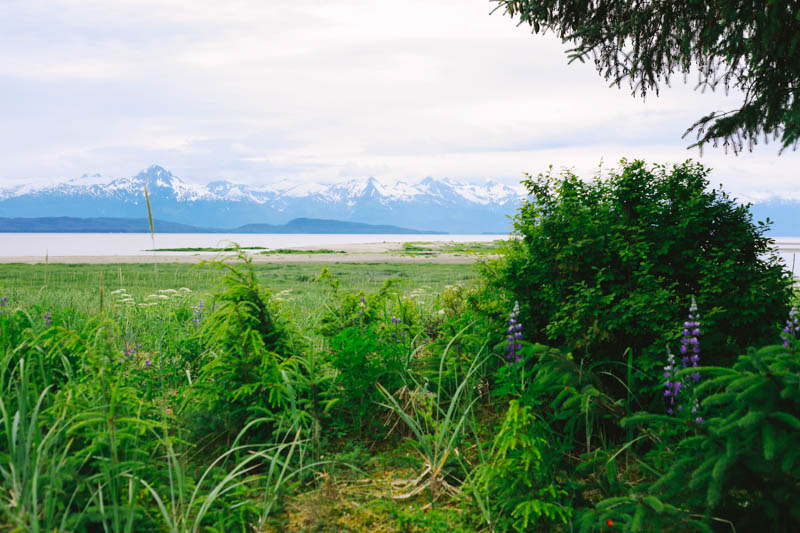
(396, 321)
(672, 386)
(132, 349)
(792, 328)
(514, 333)
(48, 320)
(690, 355)
(198, 313)
(690, 343)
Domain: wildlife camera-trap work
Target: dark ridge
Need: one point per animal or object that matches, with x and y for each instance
(136, 225)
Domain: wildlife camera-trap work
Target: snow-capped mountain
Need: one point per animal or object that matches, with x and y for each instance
(431, 204)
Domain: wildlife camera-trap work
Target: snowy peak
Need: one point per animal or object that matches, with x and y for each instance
(161, 182)
(442, 204)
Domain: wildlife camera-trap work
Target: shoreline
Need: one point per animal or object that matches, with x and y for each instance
(384, 252)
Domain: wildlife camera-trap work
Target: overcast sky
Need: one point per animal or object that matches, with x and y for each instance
(260, 90)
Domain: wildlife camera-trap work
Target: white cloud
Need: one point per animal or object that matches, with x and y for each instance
(323, 91)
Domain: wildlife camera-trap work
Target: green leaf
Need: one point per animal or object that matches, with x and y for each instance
(654, 503)
(788, 419)
(768, 436)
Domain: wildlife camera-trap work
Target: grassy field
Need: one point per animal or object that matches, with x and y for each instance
(80, 285)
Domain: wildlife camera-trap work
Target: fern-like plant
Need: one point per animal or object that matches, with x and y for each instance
(741, 465)
(246, 341)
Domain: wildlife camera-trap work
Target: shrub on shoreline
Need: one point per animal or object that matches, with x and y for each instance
(609, 264)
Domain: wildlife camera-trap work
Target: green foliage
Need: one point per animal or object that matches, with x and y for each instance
(129, 414)
(749, 46)
(247, 341)
(611, 264)
(438, 424)
(34, 464)
(520, 489)
(344, 309)
(569, 396)
(363, 359)
(741, 464)
(132, 412)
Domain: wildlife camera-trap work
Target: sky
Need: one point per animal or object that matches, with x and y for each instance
(257, 91)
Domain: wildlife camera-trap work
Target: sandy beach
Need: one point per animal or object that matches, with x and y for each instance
(383, 252)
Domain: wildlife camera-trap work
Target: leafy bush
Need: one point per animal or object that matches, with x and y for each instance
(604, 265)
(364, 359)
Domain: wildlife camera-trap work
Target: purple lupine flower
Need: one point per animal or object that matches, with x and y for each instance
(690, 344)
(514, 335)
(48, 320)
(148, 362)
(792, 328)
(397, 333)
(690, 355)
(3, 301)
(672, 386)
(198, 313)
(131, 350)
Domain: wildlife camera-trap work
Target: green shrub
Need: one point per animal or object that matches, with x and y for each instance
(519, 487)
(363, 359)
(247, 341)
(603, 265)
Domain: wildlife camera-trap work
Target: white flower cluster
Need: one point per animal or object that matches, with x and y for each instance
(151, 299)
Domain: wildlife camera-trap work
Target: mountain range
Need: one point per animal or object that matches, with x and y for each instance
(443, 205)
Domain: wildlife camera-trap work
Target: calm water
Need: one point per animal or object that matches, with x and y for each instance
(88, 244)
(789, 250)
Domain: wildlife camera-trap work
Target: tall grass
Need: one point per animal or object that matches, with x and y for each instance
(437, 430)
(38, 456)
(152, 227)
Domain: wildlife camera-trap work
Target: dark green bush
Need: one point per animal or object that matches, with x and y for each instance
(600, 266)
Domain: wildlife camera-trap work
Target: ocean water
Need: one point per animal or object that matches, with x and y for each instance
(99, 244)
(789, 250)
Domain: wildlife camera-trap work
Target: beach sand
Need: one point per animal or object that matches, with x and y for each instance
(384, 252)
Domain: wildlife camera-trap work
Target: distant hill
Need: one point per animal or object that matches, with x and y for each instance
(137, 225)
(92, 225)
(444, 204)
(316, 225)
